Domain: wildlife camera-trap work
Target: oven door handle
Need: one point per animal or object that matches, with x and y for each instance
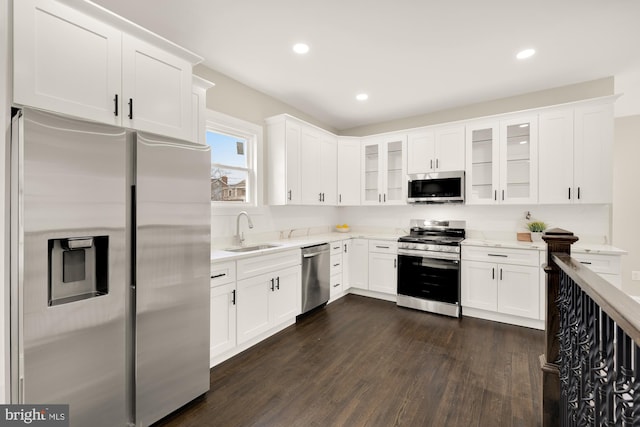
(441, 264)
(447, 256)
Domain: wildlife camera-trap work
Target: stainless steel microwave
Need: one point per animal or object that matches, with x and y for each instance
(436, 187)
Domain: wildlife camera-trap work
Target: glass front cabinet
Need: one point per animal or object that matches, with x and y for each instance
(384, 161)
(502, 161)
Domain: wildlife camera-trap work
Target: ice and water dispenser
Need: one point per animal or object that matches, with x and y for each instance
(78, 268)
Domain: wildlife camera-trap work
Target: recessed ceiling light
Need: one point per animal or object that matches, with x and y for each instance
(362, 97)
(527, 53)
(301, 48)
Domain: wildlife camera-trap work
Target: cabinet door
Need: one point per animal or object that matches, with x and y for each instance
(253, 307)
(593, 151)
(383, 276)
(156, 89)
(310, 166)
(420, 152)
(65, 61)
(328, 169)
(479, 285)
(293, 136)
(555, 154)
(395, 171)
(449, 149)
(482, 159)
(348, 172)
(358, 255)
(222, 319)
(519, 161)
(336, 285)
(346, 263)
(371, 172)
(285, 300)
(518, 290)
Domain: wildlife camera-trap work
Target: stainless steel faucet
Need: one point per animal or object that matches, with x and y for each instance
(239, 235)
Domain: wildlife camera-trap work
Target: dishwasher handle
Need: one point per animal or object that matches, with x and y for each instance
(314, 254)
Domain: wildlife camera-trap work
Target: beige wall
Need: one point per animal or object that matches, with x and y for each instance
(626, 197)
(235, 99)
(575, 92)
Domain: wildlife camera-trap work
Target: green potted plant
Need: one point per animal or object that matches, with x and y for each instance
(536, 228)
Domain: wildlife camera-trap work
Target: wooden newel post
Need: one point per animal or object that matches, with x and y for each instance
(558, 241)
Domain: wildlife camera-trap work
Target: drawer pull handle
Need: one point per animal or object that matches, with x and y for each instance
(585, 262)
(335, 265)
(219, 275)
(382, 247)
(499, 255)
(336, 285)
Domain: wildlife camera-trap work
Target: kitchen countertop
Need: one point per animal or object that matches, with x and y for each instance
(218, 255)
(579, 247)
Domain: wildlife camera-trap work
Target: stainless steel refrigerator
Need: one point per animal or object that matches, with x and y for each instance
(110, 270)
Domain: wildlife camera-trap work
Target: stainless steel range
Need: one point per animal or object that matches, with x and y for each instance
(429, 266)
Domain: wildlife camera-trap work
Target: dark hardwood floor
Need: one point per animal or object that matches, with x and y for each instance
(366, 362)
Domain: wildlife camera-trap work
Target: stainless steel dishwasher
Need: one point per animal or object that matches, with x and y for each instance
(315, 276)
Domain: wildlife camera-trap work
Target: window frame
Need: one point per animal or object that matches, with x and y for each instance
(252, 134)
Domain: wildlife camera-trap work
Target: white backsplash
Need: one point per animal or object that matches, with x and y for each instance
(591, 223)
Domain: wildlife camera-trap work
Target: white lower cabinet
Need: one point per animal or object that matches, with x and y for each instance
(267, 300)
(251, 299)
(518, 292)
(222, 336)
(479, 286)
(383, 266)
(336, 271)
(501, 284)
(359, 264)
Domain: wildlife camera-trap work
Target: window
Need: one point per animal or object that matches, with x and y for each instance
(234, 145)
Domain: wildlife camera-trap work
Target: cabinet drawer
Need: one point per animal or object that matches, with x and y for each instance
(501, 255)
(336, 247)
(336, 264)
(607, 264)
(260, 264)
(223, 273)
(383, 246)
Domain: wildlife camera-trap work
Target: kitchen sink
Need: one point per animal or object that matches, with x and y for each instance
(251, 248)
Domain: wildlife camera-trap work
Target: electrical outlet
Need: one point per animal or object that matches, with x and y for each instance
(635, 275)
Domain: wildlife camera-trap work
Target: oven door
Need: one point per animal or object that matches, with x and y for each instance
(429, 278)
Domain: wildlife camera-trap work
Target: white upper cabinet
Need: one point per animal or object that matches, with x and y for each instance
(156, 88)
(483, 171)
(284, 135)
(66, 61)
(348, 171)
(438, 149)
(593, 153)
(576, 155)
(302, 163)
(556, 157)
(519, 160)
(384, 177)
(318, 171)
(199, 109)
(502, 161)
(72, 62)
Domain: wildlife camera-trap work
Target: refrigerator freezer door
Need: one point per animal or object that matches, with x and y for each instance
(68, 291)
(172, 274)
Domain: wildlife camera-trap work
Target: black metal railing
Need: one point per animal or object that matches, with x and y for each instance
(598, 358)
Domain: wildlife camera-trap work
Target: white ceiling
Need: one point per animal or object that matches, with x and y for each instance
(411, 56)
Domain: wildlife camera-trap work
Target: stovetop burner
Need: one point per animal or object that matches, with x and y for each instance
(447, 233)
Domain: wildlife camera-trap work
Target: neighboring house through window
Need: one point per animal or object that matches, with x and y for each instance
(234, 152)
